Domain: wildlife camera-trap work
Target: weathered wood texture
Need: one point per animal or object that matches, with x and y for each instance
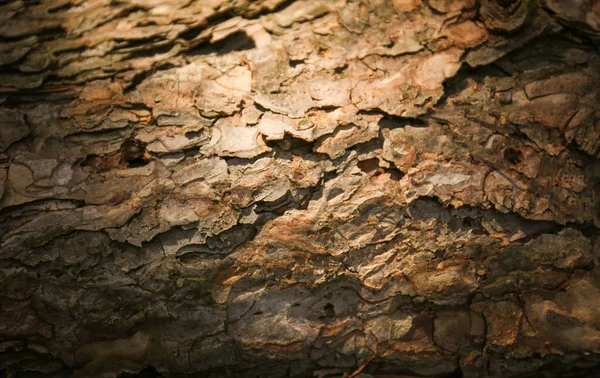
(270, 188)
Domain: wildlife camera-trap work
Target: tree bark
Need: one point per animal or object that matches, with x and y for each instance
(271, 188)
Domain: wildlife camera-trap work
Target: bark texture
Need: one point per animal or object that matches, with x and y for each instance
(270, 188)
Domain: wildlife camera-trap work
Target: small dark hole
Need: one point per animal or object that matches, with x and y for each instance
(295, 62)
(395, 174)
(193, 134)
(329, 310)
(135, 163)
(339, 70)
(368, 165)
(133, 153)
(513, 156)
(258, 313)
(295, 146)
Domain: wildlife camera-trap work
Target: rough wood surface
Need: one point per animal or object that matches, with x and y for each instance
(270, 188)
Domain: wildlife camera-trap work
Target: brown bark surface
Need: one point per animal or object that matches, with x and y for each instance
(270, 188)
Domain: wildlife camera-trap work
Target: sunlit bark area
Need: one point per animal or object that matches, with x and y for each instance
(311, 188)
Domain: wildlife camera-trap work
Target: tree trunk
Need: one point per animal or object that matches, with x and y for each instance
(271, 188)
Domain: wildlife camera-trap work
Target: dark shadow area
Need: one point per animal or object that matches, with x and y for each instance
(291, 145)
(390, 122)
(148, 372)
(239, 41)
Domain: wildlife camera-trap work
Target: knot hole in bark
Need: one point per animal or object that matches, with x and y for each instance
(134, 153)
(513, 156)
(329, 310)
